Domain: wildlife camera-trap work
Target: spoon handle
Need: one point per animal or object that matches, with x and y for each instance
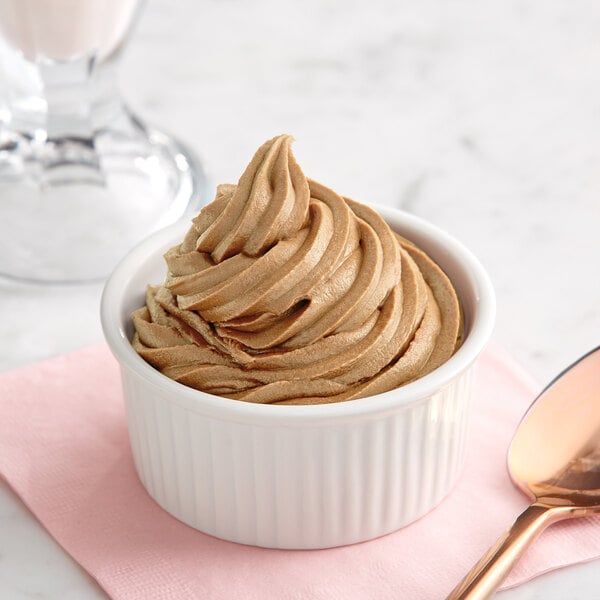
(485, 577)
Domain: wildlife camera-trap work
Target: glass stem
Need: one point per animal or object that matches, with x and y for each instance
(81, 100)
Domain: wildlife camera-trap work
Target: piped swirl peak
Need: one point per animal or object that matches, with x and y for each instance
(269, 203)
(283, 291)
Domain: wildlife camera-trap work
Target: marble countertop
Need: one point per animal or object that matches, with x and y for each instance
(483, 118)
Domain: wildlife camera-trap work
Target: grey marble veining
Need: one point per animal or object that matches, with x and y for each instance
(483, 117)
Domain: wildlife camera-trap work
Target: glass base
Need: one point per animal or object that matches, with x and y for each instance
(71, 207)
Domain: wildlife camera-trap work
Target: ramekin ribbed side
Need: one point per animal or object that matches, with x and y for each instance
(308, 486)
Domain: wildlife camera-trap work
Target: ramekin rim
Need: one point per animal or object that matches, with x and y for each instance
(402, 397)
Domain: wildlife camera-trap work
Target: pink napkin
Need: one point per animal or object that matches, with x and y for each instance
(65, 452)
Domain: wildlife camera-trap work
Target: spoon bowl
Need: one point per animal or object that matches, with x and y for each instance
(555, 453)
(554, 458)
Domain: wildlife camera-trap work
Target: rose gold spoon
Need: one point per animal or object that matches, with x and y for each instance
(554, 458)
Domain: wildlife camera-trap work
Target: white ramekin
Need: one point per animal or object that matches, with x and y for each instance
(298, 476)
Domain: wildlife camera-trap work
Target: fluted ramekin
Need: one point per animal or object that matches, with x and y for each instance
(312, 476)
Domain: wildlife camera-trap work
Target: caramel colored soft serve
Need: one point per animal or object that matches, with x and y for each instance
(284, 292)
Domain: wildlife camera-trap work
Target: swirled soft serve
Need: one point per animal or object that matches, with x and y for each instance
(284, 292)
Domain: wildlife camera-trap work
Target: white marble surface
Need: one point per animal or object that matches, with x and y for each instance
(483, 117)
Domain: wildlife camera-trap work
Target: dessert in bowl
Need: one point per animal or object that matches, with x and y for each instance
(301, 377)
